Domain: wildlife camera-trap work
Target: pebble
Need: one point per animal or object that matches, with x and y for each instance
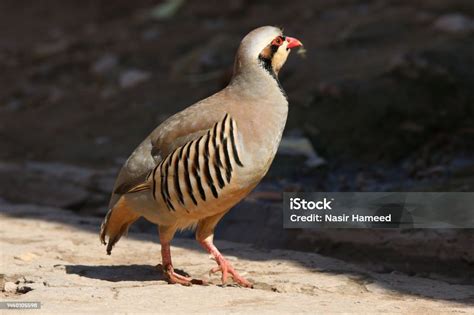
(10, 287)
(300, 146)
(101, 140)
(24, 289)
(26, 257)
(454, 23)
(105, 64)
(132, 77)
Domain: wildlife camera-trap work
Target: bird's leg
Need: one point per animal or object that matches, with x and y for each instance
(205, 236)
(223, 265)
(168, 271)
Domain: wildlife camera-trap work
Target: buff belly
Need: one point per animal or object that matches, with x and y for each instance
(157, 212)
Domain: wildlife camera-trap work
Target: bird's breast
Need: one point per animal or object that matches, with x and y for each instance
(261, 135)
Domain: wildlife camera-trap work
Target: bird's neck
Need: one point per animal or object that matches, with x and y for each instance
(266, 112)
(262, 95)
(258, 80)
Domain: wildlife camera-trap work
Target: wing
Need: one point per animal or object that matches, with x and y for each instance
(192, 173)
(185, 126)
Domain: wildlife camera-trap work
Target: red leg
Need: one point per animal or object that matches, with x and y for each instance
(166, 234)
(168, 270)
(223, 265)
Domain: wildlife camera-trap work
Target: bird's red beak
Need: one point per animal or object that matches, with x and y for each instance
(293, 42)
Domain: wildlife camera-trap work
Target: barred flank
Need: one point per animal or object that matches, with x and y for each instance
(202, 166)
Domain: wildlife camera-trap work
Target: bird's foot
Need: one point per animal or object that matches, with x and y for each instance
(175, 278)
(226, 268)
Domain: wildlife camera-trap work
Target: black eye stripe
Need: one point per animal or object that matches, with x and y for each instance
(274, 49)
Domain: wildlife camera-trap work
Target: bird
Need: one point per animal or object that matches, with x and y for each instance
(200, 162)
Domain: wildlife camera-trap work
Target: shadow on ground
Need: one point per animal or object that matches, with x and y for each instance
(117, 273)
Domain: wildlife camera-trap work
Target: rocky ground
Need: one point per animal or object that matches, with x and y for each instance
(54, 257)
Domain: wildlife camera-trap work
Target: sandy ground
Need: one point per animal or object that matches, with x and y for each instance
(56, 258)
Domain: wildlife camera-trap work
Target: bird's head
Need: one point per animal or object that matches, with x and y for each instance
(265, 47)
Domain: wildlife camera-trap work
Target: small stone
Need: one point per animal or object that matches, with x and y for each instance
(105, 64)
(10, 287)
(454, 23)
(26, 257)
(298, 145)
(23, 289)
(101, 140)
(133, 77)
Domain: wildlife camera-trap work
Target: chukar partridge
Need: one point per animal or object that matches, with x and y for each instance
(203, 160)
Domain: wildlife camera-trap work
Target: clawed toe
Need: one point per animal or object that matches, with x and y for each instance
(223, 265)
(175, 278)
(214, 270)
(226, 270)
(240, 280)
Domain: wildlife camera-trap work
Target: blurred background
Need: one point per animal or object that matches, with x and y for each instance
(382, 101)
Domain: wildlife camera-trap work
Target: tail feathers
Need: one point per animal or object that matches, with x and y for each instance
(116, 223)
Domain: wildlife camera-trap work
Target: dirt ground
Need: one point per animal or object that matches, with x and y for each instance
(54, 257)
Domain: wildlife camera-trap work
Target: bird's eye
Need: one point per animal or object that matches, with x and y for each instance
(277, 41)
